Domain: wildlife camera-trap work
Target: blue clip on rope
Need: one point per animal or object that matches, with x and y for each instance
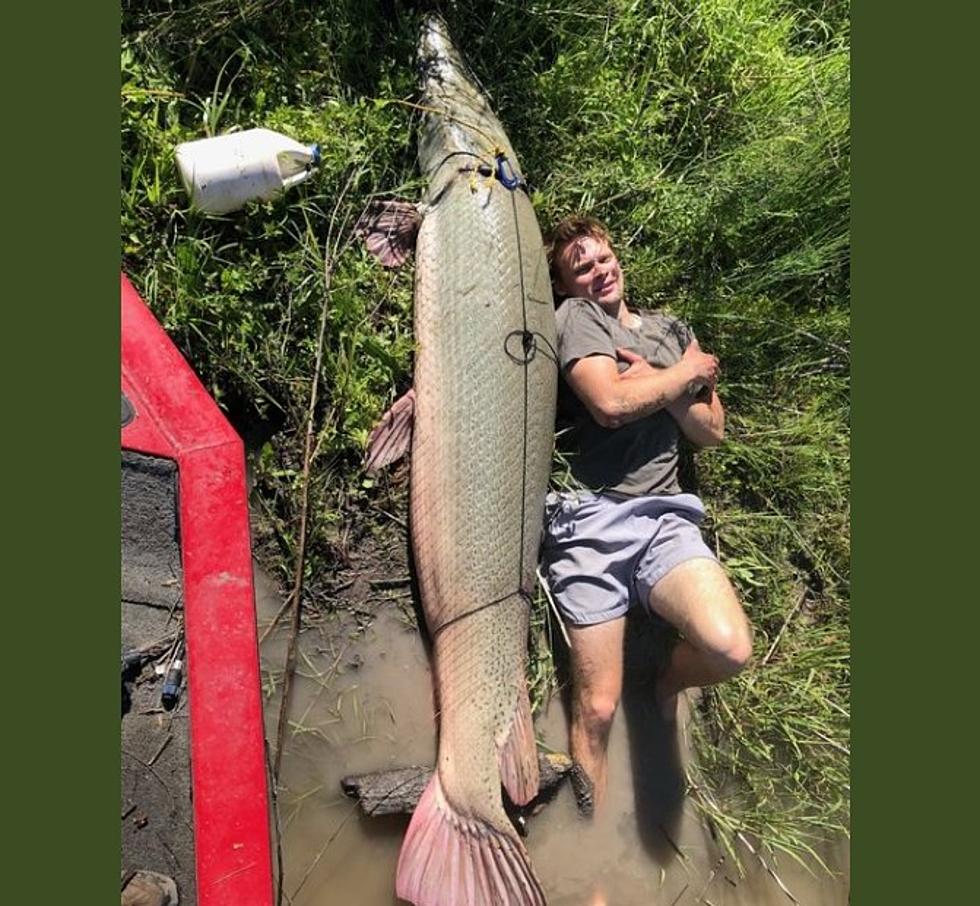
(508, 178)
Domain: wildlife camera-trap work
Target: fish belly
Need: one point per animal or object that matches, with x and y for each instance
(481, 454)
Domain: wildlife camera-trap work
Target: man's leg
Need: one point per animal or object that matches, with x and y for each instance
(697, 598)
(597, 682)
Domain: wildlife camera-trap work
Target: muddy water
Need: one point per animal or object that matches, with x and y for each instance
(363, 702)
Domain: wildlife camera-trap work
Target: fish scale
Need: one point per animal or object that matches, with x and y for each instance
(468, 471)
(481, 456)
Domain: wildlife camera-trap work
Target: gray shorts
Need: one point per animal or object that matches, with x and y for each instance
(601, 554)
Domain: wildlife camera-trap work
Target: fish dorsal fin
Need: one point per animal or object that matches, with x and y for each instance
(392, 436)
(388, 229)
(449, 859)
(517, 754)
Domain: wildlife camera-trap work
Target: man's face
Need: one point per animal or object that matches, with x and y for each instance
(588, 267)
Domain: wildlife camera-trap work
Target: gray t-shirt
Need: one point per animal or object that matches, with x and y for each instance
(640, 457)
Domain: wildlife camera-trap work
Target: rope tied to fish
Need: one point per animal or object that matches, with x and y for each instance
(529, 349)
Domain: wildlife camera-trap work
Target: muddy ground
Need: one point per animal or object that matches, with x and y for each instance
(363, 702)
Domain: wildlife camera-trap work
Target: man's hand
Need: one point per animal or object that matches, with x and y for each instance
(701, 363)
(616, 398)
(637, 364)
(699, 412)
(702, 421)
(703, 366)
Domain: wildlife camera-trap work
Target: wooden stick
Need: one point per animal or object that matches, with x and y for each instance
(276, 618)
(308, 451)
(398, 791)
(159, 751)
(554, 607)
(782, 629)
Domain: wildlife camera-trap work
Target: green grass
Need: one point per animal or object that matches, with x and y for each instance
(711, 135)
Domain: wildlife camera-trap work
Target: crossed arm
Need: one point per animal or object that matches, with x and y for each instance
(701, 419)
(615, 399)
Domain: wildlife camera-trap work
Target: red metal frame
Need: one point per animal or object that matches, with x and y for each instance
(177, 419)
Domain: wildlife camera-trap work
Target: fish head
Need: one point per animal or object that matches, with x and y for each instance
(459, 128)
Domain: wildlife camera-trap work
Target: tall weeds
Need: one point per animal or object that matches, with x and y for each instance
(711, 135)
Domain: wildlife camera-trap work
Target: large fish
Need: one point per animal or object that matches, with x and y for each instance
(483, 405)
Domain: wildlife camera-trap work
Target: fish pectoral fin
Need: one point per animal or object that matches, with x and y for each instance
(517, 755)
(392, 436)
(449, 859)
(388, 229)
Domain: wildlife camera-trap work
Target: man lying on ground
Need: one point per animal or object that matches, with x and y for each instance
(635, 381)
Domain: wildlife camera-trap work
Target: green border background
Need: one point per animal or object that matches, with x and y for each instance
(61, 466)
(914, 315)
(914, 291)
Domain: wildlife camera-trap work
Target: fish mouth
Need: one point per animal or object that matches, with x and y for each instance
(458, 119)
(441, 65)
(434, 37)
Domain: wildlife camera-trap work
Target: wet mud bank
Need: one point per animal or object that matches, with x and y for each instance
(363, 702)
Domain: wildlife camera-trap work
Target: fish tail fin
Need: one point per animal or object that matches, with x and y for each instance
(517, 754)
(449, 859)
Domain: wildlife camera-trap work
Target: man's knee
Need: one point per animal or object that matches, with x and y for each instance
(596, 710)
(730, 643)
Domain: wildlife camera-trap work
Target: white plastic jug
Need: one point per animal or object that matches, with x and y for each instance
(221, 174)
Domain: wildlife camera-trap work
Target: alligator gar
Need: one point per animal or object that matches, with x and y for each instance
(480, 418)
